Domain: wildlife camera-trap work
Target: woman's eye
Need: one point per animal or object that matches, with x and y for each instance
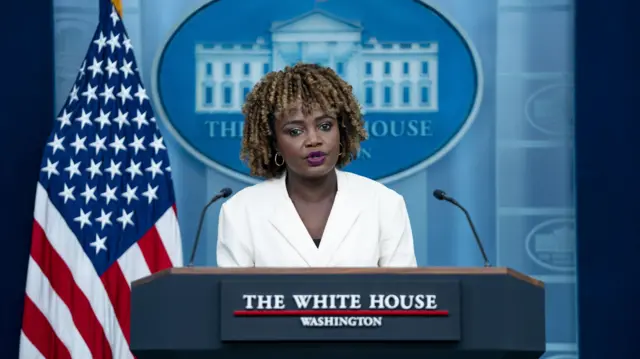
(295, 132)
(325, 126)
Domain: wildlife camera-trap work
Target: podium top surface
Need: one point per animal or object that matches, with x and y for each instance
(337, 271)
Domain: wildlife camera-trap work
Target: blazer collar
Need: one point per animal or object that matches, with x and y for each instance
(346, 209)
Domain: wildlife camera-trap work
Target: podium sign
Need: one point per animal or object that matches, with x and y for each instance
(338, 313)
(283, 310)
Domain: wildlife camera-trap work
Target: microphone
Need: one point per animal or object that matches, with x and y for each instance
(442, 196)
(224, 193)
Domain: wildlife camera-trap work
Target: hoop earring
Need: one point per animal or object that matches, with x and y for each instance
(275, 159)
(341, 150)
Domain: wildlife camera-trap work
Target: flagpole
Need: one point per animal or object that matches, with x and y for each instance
(107, 6)
(118, 6)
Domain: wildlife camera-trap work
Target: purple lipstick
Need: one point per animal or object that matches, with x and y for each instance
(316, 158)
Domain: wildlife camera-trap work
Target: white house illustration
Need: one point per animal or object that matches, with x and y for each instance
(558, 241)
(386, 77)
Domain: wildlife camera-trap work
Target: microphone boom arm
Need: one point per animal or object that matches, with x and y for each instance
(224, 193)
(475, 234)
(442, 196)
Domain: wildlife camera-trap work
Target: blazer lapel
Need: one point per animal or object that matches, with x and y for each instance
(286, 220)
(346, 209)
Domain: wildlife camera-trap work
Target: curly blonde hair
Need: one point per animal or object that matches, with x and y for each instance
(309, 86)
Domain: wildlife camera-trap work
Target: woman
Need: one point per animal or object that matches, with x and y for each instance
(301, 126)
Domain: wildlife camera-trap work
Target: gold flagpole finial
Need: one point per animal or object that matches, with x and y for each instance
(118, 6)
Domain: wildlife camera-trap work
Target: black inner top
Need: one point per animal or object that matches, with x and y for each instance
(317, 241)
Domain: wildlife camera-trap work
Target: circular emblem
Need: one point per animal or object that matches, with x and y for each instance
(551, 244)
(414, 71)
(550, 110)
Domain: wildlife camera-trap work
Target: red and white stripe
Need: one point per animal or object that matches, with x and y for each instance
(70, 311)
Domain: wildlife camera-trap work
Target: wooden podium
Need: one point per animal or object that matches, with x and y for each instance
(330, 313)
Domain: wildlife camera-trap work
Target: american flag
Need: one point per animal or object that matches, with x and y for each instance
(104, 209)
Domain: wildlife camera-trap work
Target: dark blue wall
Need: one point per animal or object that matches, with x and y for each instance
(26, 115)
(608, 176)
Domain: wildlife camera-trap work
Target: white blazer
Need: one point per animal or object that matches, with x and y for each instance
(368, 227)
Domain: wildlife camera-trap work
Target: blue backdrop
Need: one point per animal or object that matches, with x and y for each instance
(605, 165)
(512, 168)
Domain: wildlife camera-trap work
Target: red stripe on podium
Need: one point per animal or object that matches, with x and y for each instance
(316, 313)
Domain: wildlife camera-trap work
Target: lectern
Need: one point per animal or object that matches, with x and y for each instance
(331, 313)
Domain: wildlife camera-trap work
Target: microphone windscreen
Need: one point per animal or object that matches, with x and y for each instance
(439, 194)
(226, 192)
